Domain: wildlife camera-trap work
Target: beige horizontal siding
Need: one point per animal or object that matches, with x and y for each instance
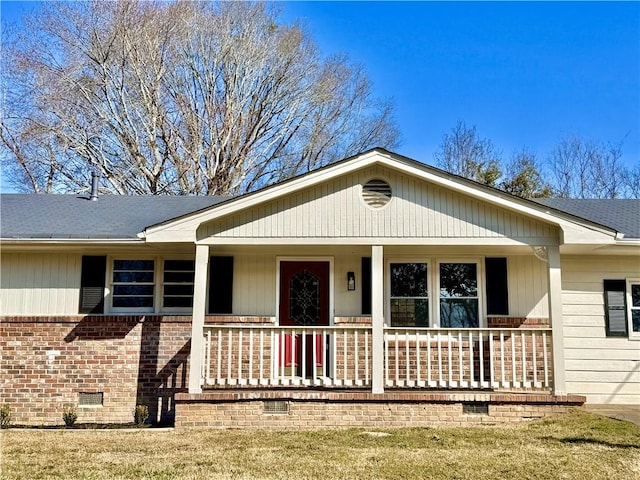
(605, 369)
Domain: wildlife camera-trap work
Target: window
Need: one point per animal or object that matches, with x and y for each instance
(409, 295)
(133, 284)
(178, 284)
(633, 308)
(615, 309)
(459, 302)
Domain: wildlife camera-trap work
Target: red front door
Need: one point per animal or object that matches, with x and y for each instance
(304, 302)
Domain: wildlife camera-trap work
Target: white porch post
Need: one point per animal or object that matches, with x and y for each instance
(555, 315)
(377, 318)
(197, 319)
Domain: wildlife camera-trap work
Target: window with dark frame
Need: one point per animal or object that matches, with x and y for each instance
(615, 308)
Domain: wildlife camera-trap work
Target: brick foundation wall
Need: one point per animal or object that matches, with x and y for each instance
(344, 409)
(47, 362)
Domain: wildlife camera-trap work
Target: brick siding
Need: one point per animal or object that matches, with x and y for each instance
(48, 361)
(351, 409)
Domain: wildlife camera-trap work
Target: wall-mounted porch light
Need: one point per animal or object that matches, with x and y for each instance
(351, 281)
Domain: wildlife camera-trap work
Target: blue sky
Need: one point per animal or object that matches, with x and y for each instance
(525, 74)
(522, 73)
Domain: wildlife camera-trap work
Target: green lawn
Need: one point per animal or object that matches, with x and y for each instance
(575, 446)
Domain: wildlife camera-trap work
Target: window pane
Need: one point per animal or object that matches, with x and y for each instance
(635, 295)
(458, 313)
(133, 277)
(635, 320)
(409, 312)
(178, 289)
(458, 280)
(133, 302)
(178, 277)
(133, 290)
(408, 279)
(178, 302)
(188, 265)
(133, 265)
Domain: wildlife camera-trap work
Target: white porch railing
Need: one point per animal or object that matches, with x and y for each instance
(287, 356)
(476, 358)
(341, 356)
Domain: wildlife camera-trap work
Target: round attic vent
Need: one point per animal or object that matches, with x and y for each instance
(376, 193)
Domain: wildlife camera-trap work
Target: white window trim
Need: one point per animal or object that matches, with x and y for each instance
(482, 315)
(109, 285)
(387, 274)
(160, 286)
(433, 285)
(632, 335)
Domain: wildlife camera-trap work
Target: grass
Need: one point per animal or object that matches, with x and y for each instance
(574, 446)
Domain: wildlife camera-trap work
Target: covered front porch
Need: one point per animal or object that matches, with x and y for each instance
(375, 350)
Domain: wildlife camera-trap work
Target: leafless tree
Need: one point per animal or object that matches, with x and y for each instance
(582, 168)
(463, 152)
(177, 98)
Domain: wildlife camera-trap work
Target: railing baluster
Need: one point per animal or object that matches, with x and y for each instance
(366, 357)
(502, 378)
(481, 363)
(219, 352)
(440, 380)
(344, 357)
(229, 354)
(491, 361)
(524, 360)
(357, 354)
(472, 382)
(407, 361)
(397, 382)
(303, 360)
(535, 360)
(251, 356)
(419, 381)
(387, 367)
(449, 360)
(514, 381)
(260, 380)
(460, 372)
(546, 365)
(240, 349)
(429, 359)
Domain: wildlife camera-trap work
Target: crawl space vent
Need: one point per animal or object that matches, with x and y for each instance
(276, 407)
(376, 193)
(480, 408)
(90, 399)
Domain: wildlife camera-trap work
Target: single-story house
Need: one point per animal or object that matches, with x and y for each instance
(376, 290)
